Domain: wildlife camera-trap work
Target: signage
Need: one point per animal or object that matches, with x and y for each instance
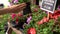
(48, 5)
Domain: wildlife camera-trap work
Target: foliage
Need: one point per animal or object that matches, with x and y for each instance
(42, 29)
(3, 21)
(45, 28)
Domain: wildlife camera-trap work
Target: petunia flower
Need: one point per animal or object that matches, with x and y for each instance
(40, 22)
(59, 7)
(15, 1)
(29, 19)
(13, 15)
(17, 20)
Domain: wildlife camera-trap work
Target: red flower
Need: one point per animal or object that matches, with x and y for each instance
(17, 20)
(50, 15)
(58, 10)
(40, 22)
(55, 11)
(55, 17)
(31, 31)
(45, 19)
(58, 15)
(13, 15)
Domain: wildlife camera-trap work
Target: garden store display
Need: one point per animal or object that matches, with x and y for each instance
(34, 22)
(47, 27)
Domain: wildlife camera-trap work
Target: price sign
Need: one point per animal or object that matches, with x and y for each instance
(48, 5)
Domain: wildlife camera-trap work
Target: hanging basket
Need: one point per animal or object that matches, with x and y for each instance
(13, 9)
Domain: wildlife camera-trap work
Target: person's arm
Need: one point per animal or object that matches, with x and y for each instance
(13, 9)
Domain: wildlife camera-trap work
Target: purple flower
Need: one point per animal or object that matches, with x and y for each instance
(15, 1)
(12, 1)
(29, 19)
(59, 7)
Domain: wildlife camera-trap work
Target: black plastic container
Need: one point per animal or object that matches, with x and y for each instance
(37, 2)
(27, 10)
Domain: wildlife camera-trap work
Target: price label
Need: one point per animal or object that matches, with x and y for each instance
(48, 5)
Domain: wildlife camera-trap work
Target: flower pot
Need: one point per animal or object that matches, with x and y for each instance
(27, 10)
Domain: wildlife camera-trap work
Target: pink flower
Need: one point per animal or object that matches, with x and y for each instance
(13, 15)
(15, 1)
(31, 31)
(17, 20)
(29, 19)
(59, 7)
(45, 19)
(40, 22)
